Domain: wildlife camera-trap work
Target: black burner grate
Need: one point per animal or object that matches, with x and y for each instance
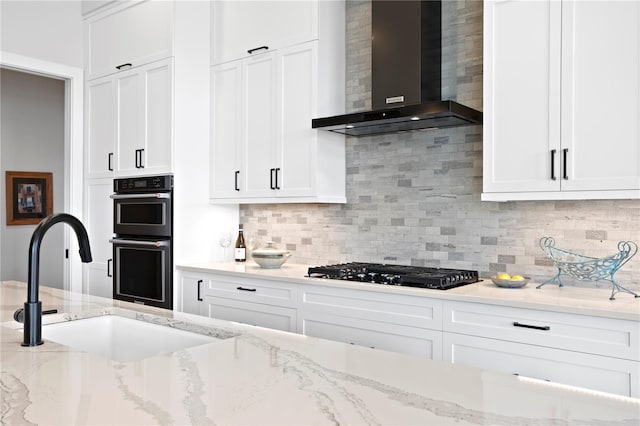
(412, 276)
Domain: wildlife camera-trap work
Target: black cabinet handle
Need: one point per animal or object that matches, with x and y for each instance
(236, 178)
(535, 327)
(564, 164)
(271, 179)
(245, 289)
(277, 171)
(119, 67)
(139, 164)
(109, 274)
(553, 164)
(199, 297)
(255, 49)
(109, 158)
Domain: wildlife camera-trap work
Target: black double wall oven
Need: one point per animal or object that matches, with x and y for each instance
(142, 245)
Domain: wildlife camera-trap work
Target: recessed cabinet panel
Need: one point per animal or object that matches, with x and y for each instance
(604, 374)
(297, 68)
(601, 94)
(130, 120)
(99, 221)
(136, 34)
(158, 147)
(259, 124)
(227, 176)
(521, 96)
(273, 24)
(275, 317)
(100, 132)
(376, 335)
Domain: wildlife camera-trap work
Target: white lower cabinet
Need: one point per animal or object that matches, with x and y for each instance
(98, 275)
(392, 322)
(580, 350)
(256, 302)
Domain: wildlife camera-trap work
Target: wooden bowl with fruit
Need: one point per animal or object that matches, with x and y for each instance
(510, 281)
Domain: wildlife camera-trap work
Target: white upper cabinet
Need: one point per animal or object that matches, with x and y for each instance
(129, 116)
(561, 100)
(239, 28)
(273, 155)
(127, 36)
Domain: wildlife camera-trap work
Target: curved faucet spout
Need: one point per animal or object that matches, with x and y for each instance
(33, 307)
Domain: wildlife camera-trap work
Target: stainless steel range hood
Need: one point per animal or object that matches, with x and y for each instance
(406, 60)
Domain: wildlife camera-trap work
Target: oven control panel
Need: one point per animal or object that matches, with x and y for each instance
(143, 184)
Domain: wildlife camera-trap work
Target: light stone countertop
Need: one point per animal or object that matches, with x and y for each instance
(567, 299)
(264, 377)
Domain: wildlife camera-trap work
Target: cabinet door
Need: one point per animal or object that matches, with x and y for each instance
(572, 368)
(521, 96)
(601, 94)
(190, 298)
(100, 128)
(275, 317)
(259, 126)
(227, 178)
(137, 34)
(145, 119)
(297, 102)
(130, 124)
(239, 26)
(98, 276)
(157, 154)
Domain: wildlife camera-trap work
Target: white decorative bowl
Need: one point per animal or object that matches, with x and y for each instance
(270, 257)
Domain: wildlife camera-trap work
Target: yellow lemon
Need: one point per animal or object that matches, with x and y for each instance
(517, 278)
(504, 276)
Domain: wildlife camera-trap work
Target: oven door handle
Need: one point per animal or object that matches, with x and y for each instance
(129, 196)
(161, 243)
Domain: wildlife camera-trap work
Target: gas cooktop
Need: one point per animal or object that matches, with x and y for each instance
(412, 276)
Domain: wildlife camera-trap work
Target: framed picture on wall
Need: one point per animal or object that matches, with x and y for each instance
(29, 197)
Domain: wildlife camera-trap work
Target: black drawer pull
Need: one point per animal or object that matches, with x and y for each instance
(277, 186)
(255, 49)
(109, 158)
(245, 289)
(565, 176)
(535, 327)
(119, 67)
(271, 179)
(236, 178)
(199, 297)
(109, 274)
(553, 164)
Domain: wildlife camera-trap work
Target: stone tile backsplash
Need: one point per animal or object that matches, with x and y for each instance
(414, 198)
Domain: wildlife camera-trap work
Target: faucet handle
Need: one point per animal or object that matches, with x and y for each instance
(18, 315)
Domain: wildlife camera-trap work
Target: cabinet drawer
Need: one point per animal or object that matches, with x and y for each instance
(577, 369)
(275, 317)
(391, 337)
(370, 305)
(258, 291)
(602, 336)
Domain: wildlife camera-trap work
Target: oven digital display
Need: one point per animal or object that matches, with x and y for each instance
(140, 184)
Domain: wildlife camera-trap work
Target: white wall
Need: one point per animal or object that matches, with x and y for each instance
(32, 139)
(197, 223)
(46, 30)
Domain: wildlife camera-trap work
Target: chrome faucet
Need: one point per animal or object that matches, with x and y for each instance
(33, 307)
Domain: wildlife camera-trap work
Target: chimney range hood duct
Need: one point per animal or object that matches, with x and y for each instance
(406, 60)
